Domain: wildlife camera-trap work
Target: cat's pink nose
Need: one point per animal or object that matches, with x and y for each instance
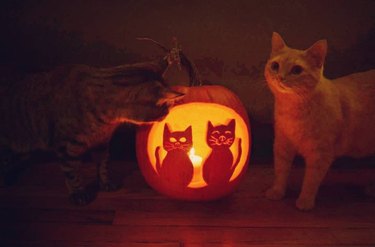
(177, 144)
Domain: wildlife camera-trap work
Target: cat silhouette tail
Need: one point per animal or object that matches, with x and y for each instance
(238, 156)
(158, 165)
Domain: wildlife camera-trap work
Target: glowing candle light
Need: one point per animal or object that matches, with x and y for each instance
(199, 106)
(195, 159)
(197, 180)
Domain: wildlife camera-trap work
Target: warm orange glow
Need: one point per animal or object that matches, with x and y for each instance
(196, 159)
(197, 180)
(197, 115)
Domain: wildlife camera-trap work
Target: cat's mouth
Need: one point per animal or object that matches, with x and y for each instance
(170, 147)
(220, 142)
(282, 86)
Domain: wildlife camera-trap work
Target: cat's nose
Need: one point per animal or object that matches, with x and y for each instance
(281, 77)
(177, 144)
(222, 138)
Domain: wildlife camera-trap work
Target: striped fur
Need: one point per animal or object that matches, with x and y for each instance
(74, 108)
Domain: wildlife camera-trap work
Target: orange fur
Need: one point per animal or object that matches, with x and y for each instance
(315, 117)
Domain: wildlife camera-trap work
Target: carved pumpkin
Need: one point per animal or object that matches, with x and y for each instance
(200, 150)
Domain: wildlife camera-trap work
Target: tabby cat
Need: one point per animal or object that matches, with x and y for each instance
(72, 109)
(219, 167)
(315, 117)
(177, 167)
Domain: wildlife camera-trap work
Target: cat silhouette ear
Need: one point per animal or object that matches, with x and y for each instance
(277, 42)
(317, 52)
(232, 124)
(188, 130)
(209, 125)
(166, 129)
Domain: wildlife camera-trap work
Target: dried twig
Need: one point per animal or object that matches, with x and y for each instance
(176, 56)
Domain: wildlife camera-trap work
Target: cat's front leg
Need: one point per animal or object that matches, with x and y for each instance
(105, 181)
(78, 194)
(70, 154)
(284, 154)
(317, 165)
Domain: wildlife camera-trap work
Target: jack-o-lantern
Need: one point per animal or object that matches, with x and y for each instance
(200, 150)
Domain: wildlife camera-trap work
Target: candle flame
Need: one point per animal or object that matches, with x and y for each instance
(195, 159)
(191, 152)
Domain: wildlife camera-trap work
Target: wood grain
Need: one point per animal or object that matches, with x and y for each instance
(36, 212)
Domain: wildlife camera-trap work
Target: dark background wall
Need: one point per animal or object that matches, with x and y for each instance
(228, 40)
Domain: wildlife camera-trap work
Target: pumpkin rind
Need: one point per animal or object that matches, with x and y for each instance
(205, 94)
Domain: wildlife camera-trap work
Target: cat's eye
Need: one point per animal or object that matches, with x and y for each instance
(275, 66)
(228, 132)
(182, 139)
(215, 132)
(172, 139)
(296, 70)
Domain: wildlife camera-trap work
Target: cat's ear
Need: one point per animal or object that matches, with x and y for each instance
(317, 52)
(209, 126)
(166, 130)
(170, 96)
(188, 130)
(232, 124)
(277, 42)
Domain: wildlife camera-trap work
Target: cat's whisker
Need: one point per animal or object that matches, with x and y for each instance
(212, 137)
(228, 142)
(215, 141)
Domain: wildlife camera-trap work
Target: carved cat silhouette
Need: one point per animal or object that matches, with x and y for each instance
(219, 167)
(177, 167)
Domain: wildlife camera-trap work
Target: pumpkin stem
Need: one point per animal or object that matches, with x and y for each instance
(195, 79)
(175, 55)
(155, 42)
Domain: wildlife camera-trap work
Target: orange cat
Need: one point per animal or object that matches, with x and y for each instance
(315, 117)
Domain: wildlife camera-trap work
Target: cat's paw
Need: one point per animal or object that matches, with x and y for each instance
(109, 186)
(305, 204)
(275, 194)
(81, 197)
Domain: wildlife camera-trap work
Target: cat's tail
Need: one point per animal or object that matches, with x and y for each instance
(157, 156)
(238, 156)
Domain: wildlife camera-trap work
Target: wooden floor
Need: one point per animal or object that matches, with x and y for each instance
(36, 212)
